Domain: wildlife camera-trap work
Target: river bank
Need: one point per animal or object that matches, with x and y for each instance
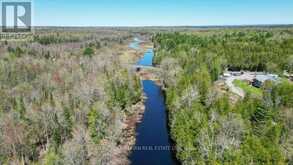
(145, 137)
(153, 144)
(120, 156)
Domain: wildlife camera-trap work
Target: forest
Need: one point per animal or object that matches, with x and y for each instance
(206, 125)
(64, 97)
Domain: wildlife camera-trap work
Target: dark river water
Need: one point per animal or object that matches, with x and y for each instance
(153, 145)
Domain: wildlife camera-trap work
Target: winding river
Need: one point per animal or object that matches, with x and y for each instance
(153, 145)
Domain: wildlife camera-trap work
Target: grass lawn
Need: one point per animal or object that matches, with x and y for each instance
(248, 88)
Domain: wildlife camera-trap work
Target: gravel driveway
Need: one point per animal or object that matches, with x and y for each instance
(229, 82)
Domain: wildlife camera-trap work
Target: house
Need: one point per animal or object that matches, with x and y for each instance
(259, 80)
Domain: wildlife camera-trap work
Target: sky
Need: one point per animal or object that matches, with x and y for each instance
(161, 12)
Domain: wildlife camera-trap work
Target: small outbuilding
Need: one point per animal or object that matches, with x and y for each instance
(288, 75)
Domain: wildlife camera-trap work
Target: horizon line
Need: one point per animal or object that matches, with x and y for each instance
(163, 26)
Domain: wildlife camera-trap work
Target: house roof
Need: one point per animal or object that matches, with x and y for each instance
(264, 78)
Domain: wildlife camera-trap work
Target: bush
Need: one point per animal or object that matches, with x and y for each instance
(89, 52)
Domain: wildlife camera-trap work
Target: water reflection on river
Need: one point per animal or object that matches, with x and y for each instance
(153, 145)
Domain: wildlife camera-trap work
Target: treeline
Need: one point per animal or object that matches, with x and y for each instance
(66, 109)
(206, 125)
(54, 39)
(48, 37)
(256, 50)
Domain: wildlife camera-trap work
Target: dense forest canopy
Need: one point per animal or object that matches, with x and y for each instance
(64, 97)
(206, 126)
(246, 49)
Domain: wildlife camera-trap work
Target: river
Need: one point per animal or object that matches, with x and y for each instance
(153, 145)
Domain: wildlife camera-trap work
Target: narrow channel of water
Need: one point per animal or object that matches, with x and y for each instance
(147, 59)
(135, 44)
(153, 145)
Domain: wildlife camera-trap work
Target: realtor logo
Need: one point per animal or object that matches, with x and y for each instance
(16, 17)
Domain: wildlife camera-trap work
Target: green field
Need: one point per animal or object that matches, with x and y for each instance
(248, 88)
